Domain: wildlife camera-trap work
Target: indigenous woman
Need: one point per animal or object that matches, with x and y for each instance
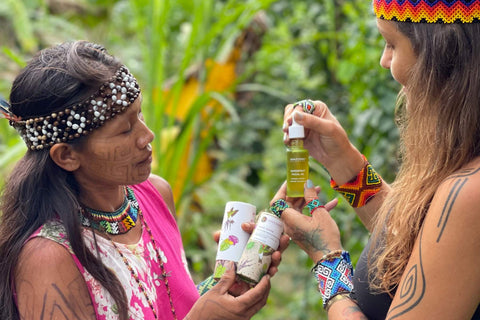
(87, 232)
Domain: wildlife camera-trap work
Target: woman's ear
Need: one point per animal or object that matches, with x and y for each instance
(64, 156)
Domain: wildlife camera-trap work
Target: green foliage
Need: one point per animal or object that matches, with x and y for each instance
(326, 50)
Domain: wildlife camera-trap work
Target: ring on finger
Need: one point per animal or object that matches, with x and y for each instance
(307, 105)
(313, 205)
(278, 207)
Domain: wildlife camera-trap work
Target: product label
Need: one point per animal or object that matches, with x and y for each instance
(268, 230)
(257, 256)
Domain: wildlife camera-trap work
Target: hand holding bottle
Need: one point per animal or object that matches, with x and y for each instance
(219, 304)
(326, 140)
(317, 234)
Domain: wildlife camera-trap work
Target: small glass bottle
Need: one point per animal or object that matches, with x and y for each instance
(297, 161)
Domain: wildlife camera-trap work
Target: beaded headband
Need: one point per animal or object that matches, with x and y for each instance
(113, 97)
(430, 11)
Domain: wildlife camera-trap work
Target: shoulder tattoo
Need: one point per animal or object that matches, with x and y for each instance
(413, 287)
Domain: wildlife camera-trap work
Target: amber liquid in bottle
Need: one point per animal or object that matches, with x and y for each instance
(297, 168)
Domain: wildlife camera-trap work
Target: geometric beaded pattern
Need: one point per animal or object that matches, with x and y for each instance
(334, 275)
(429, 11)
(360, 189)
(314, 204)
(112, 98)
(207, 284)
(278, 207)
(307, 105)
(117, 222)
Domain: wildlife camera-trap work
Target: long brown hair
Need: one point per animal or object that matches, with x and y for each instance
(37, 189)
(439, 124)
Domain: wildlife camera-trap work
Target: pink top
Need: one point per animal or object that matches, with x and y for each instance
(142, 257)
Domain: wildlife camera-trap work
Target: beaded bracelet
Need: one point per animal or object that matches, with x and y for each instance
(334, 274)
(361, 188)
(278, 207)
(207, 284)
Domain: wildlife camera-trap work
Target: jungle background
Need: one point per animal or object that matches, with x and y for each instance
(216, 75)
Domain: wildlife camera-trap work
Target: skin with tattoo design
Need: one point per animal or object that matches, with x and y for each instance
(422, 257)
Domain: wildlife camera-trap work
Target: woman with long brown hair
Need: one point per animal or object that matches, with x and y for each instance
(423, 256)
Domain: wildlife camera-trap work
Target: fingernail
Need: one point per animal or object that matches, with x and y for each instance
(297, 115)
(309, 183)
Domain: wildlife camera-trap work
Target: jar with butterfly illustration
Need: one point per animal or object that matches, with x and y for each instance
(233, 238)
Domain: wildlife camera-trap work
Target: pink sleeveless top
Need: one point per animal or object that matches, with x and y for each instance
(141, 257)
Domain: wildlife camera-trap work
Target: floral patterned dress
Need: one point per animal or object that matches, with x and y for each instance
(143, 259)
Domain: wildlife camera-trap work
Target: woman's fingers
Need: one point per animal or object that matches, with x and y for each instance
(331, 204)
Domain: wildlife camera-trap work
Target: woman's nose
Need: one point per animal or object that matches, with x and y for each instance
(146, 138)
(386, 59)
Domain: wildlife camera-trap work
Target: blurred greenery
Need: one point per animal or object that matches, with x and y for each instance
(215, 77)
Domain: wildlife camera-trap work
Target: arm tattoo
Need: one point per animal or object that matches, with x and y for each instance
(447, 207)
(464, 173)
(413, 287)
(58, 303)
(312, 240)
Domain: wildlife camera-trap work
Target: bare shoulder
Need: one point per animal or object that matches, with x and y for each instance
(448, 240)
(457, 202)
(49, 284)
(460, 193)
(165, 190)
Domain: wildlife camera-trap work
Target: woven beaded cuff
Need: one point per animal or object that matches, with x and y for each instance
(278, 207)
(207, 284)
(361, 188)
(334, 274)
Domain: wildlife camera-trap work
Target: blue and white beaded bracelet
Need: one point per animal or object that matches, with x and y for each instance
(334, 273)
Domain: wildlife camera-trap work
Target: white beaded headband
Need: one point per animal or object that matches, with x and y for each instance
(113, 98)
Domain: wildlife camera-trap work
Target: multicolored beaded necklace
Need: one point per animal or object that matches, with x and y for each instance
(117, 222)
(129, 209)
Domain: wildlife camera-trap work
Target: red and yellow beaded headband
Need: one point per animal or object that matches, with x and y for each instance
(112, 98)
(429, 11)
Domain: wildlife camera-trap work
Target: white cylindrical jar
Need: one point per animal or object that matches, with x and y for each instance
(232, 237)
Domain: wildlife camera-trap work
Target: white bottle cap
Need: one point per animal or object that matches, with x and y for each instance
(296, 131)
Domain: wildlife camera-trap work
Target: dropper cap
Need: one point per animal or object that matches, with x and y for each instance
(296, 131)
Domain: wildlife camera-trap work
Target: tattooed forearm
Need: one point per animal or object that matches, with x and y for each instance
(447, 207)
(413, 287)
(310, 240)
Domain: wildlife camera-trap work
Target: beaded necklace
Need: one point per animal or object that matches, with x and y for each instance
(117, 222)
(137, 278)
(111, 224)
